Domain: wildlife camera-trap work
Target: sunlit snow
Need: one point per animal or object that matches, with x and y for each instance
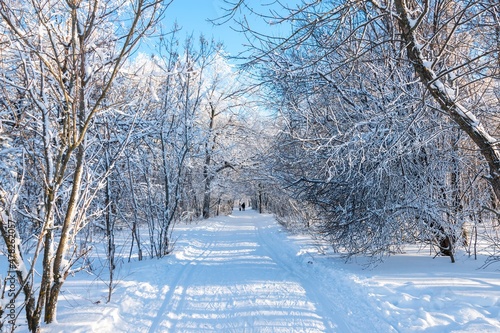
(244, 273)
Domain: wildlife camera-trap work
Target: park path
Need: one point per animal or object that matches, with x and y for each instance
(234, 275)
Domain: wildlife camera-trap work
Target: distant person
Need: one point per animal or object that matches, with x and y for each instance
(243, 206)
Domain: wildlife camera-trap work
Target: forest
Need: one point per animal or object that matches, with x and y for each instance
(372, 124)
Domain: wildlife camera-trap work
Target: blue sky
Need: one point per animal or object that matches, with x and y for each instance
(192, 16)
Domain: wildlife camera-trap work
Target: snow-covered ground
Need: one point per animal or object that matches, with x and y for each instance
(244, 273)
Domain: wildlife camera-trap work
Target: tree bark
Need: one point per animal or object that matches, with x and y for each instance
(209, 148)
(16, 264)
(463, 117)
(58, 271)
(206, 193)
(110, 226)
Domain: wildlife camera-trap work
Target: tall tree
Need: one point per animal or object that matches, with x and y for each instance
(220, 113)
(376, 104)
(70, 54)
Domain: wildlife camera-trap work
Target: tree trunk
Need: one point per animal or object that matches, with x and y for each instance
(206, 193)
(463, 117)
(206, 167)
(59, 272)
(260, 202)
(110, 228)
(135, 222)
(7, 225)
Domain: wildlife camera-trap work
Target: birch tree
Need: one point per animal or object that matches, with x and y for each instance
(70, 54)
(220, 114)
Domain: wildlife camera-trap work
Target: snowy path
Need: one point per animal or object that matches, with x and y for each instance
(236, 278)
(242, 273)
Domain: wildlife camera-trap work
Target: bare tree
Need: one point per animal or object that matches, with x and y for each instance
(455, 60)
(70, 54)
(220, 112)
(373, 98)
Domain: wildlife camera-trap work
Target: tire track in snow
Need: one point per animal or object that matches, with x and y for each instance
(170, 303)
(248, 278)
(321, 303)
(343, 304)
(241, 288)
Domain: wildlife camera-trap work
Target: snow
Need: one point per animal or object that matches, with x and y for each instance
(427, 64)
(412, 22)
(244, 273)
(461, 111)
